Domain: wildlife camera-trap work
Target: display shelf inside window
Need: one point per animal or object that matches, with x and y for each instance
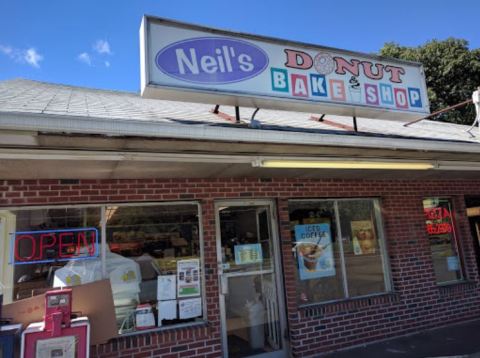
(160, 251)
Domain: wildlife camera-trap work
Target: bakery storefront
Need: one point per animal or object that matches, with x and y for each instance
(233, 232)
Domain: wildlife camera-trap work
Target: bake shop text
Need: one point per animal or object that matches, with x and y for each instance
(265, 72)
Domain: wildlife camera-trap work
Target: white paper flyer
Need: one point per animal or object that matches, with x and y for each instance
(188, 278)
(190, 308)
(166, 287)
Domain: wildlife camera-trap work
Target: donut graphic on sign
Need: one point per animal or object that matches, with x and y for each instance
(323, 63)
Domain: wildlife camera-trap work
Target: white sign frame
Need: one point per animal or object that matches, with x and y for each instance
(158, 84)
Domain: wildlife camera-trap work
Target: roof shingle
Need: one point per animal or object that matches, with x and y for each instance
(26, 96)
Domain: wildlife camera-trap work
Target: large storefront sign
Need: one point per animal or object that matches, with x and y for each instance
(54, 245)
(192, 63)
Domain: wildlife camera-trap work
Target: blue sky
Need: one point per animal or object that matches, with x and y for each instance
(95, 43)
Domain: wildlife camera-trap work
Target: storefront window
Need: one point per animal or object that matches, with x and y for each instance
(440, 226)
(152, 258)
(48, 241)
(329, 268)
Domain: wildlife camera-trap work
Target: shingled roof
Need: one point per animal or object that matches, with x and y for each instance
(20, 96)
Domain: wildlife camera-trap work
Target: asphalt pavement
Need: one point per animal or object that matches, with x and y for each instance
(455, 341)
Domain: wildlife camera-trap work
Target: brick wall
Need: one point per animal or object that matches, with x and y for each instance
(416, 302)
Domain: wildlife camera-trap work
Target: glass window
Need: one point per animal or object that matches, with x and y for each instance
(330, 268)
(45, 244)
(149, 246)
(152, 258)
(245, 227)
(440, 226)
(312, 286)
(361, 247)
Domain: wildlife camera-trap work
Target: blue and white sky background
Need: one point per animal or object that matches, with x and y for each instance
(96, 44)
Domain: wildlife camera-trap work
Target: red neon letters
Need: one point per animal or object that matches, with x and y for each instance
(439, 221)
(52, 246)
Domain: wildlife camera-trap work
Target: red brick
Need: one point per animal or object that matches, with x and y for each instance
(340, 324)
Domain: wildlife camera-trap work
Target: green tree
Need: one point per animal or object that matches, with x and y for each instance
(452, 72)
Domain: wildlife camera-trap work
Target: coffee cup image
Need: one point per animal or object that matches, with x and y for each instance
(310, 253)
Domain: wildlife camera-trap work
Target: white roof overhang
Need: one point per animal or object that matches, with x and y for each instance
(66, 147)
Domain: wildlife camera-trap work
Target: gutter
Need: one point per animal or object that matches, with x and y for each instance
(53, 123)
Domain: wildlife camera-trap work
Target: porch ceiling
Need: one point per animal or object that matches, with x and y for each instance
(110, 169)
(34, 155)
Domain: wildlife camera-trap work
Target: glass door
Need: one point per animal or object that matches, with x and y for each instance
(251, 306)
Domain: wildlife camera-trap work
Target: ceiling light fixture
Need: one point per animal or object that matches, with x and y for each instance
(343, 164)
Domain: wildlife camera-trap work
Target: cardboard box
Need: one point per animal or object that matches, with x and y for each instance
(93, 300)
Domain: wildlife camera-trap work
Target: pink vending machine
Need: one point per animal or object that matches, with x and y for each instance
(58, 335)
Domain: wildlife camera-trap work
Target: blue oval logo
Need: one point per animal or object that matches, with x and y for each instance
(212, 60)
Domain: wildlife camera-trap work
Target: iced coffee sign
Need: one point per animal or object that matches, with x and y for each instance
(313, 246)
(192, 63)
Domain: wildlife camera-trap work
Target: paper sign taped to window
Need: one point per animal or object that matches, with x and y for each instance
(190, 308)
(314, 251)
(166, 287)
(452, 263)
(167, 310)
(188, 278)
(248, 254)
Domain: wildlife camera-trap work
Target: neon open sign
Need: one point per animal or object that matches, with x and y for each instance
(438, 221)
(54, 245)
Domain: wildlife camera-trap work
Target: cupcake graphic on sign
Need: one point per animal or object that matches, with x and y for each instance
(355, 90)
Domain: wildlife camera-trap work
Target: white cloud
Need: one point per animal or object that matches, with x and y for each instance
(102, 47)
(32, 57)
(85, 58)
(92, 58)
(29, 56)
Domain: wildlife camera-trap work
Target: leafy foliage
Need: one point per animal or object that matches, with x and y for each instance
(452, 72)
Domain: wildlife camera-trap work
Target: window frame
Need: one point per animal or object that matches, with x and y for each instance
(379, 226)
(455, 236)
(103, 243)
